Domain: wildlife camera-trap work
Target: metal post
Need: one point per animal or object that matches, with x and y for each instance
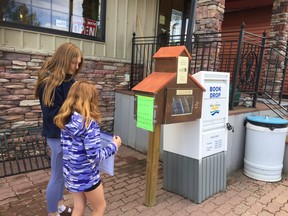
(132, 61)
(284, 73)
(191, 24)
(183, 33)
(237, 66)
(259, 69)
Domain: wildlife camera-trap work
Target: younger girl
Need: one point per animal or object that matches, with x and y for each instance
(79, 120)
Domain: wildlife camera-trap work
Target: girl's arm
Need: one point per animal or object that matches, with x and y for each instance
(96, 153)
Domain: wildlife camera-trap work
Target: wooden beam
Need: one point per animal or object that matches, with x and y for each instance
(152, 166)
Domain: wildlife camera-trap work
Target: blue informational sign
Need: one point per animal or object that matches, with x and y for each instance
(107, 165)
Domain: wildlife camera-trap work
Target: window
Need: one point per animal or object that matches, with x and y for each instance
(82, 18)
(182, 104)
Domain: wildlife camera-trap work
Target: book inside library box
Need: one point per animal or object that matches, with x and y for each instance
(182, 104)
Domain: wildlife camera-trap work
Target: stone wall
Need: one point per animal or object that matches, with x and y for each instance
(18, 74)
(209, 18)
(278, 32)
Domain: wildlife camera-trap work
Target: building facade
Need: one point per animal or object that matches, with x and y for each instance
(30, 31)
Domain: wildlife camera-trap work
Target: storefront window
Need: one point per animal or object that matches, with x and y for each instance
(81, 17)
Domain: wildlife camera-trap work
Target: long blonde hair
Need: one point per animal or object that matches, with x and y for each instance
(54, 70)
(83, 98)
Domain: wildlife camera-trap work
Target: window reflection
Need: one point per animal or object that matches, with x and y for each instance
(43, 17)
(77, 16)
(60, 21)
(41, 3)
(77, 8)
(23, 1)
(61, 6)
(22, 13)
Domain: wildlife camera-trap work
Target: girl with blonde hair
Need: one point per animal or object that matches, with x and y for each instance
(79, 119)
(55, 78)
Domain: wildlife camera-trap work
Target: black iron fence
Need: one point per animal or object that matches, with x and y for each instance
(255, 62)
(22, 150)
(275, 82)
(143, 49)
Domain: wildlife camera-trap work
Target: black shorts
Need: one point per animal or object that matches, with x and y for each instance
(93, 187)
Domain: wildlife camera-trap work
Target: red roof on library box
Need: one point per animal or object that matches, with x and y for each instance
(171, 52)
(158, 80)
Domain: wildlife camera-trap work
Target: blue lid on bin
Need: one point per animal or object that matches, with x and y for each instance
(266, 121)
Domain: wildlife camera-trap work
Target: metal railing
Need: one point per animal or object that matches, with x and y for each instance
(252, 61)
(247, 68)
(274, 73)
(22, 150)
(143, 49)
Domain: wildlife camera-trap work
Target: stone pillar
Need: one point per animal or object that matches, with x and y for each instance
(209, 18)
(279, 35)
(279, 22)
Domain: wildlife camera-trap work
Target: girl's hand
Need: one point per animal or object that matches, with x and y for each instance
(117, 140)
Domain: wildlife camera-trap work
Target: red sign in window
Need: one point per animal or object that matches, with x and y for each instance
(90, 27)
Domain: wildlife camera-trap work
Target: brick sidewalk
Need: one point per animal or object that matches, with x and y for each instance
(25, 194)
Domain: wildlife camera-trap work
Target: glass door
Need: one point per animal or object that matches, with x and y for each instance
(173, 21)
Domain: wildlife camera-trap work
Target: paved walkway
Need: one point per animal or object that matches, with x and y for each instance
(25, 194)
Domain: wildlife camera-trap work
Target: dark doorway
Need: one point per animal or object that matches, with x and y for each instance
(173, 20)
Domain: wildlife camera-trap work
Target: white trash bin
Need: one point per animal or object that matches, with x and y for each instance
(264, 148)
